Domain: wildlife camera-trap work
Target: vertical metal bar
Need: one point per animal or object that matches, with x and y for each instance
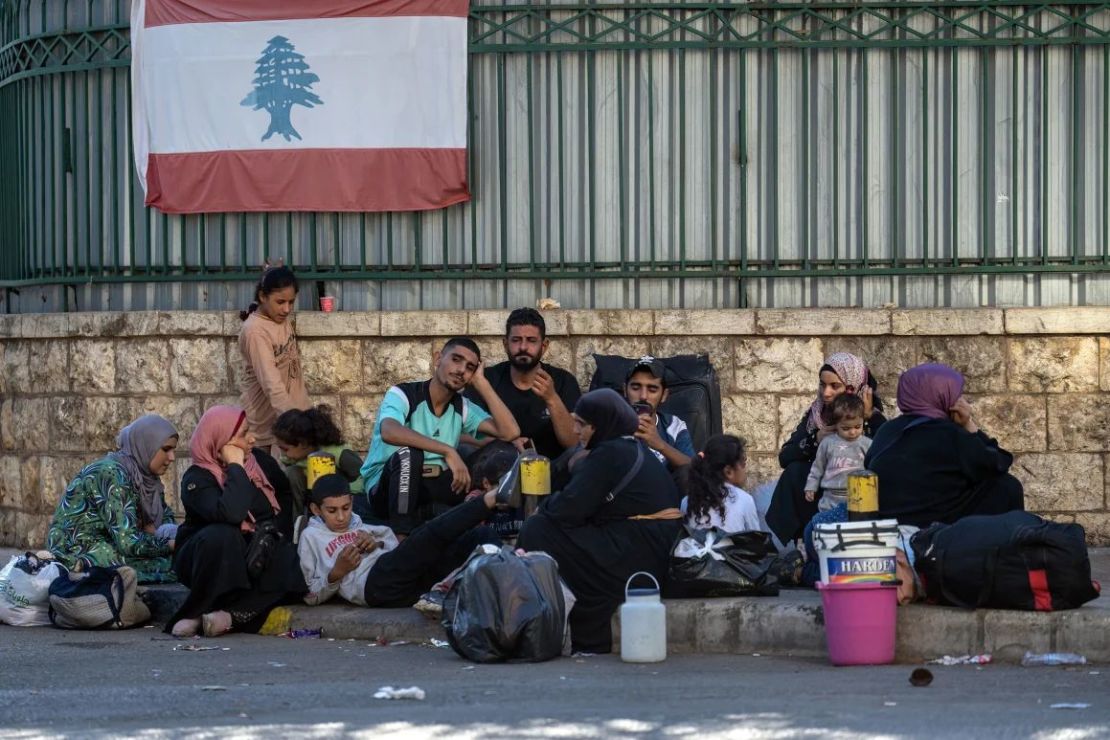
(1074, 232)
(472, 119)
(986, 198)
(1044, 155)
(714, 157)
(87, 162)
(591, 148)
(337, 255)
(954, 174)
(115, 180)
(622, 164)
(362, 241)
(742, 145)
(312, 244)
(836, 159)
(561, 114)
(1105, 154)
(1014, 155)
(651, 157)
(418, 241)
(773, 156)
(503, 165)
(223, 242)
(865, 151)
(804, 173)
(532, 132)
(898, 161)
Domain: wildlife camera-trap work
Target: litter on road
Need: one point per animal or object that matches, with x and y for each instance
(962, 660)
(388, 692)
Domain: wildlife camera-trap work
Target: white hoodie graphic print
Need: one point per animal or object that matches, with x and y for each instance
(319, 548)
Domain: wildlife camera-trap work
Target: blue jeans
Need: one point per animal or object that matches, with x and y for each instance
(811, 573)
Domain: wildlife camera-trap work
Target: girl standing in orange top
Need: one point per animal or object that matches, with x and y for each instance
(272, 379)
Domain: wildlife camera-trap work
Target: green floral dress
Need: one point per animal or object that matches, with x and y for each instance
(97, 522)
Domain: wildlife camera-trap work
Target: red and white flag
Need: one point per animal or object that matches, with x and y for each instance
(316, 105)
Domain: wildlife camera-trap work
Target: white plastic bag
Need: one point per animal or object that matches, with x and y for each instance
(25, 591)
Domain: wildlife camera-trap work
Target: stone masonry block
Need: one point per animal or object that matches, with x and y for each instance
(114, 324)
(333, 365)
(423, 323)
(386, 362)
(11, 482)
(763, 468)
(30, 482)
(1058, 320)
(9, 531)
(357, 415)
(45, 325)
(1104, 363)
(11, 326)
(586, 348)
(92, 365)
(753, 417)
(199, 366)
(68, 422)
(190, 323)
(612, 323)
(33, 528)
(947, 321)
(49, 366)
(982, 360)
(1097, 526)
(1061, 481)
(55, 474)
(727, 322)
(492, 323)
(15, 367)
(30, 425)
(817, 321)
(886, 357)
(356, 324)
(1054, 365)
(181, 411)
(106, 415)
(1078, 423)
(777, 365)
(143, 365)
(790, 411)
(1019, 423)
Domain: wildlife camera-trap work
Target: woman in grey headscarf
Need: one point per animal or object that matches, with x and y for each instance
(114, 512)
(617, 515)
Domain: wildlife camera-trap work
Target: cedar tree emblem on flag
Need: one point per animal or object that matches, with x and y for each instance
(281, 81)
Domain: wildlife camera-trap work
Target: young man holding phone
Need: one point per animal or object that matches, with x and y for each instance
(645, 387)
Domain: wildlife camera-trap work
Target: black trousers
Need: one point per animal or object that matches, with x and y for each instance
(428, 554)
(403, 499)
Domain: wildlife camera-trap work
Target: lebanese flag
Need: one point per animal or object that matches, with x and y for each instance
(316, 105)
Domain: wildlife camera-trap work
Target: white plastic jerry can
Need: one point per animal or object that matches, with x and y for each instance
(643, 623)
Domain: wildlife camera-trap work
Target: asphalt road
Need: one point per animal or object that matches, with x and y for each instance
(134, 683)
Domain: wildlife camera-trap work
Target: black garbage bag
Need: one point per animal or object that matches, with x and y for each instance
(710, 562)
(506, 607)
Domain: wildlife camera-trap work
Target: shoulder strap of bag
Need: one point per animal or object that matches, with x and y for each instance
(623, 483)
(877, 450)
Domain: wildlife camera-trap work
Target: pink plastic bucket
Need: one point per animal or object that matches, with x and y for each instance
(860, 620)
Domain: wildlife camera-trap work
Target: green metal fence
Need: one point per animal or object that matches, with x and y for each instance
(710, 143)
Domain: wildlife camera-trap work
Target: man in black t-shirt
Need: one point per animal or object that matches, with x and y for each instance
(539, 396)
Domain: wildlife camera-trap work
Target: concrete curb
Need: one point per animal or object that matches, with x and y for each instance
(791, 624)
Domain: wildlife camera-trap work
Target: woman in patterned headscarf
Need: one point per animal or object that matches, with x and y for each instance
(114, 512)
(842, 372)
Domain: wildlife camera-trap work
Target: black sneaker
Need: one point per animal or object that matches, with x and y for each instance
(431, 604)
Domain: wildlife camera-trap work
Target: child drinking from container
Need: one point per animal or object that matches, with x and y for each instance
(302, 433)
(838, 454)
(714, 497)
(272, 380)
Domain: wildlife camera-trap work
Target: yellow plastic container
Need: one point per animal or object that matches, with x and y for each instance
(535, 474)
(319, 464)
(863, 495)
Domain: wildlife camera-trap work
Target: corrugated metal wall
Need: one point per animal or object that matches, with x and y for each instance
(955, 171)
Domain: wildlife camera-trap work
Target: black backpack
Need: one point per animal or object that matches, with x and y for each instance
(1008, 561)
(695, 393)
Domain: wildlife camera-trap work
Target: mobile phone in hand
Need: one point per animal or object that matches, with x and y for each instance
(643, 408)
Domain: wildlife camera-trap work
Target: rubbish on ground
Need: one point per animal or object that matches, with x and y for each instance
(400, 642)
(1092, 673)
(213, 688)
(274, 664)
(302, 634)
(382, 641)
(962, 660)
(921, 677)
(1070, 705)
(279, 621)
(1032, 658)
(890, 703)
(388, 692)
(197, 648)
(440, 643)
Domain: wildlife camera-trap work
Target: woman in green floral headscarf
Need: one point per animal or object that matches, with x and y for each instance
(114, 512)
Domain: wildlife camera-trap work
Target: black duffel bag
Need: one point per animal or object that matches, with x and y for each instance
(1016, 560)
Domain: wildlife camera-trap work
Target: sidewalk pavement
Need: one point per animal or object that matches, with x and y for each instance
(790, 624)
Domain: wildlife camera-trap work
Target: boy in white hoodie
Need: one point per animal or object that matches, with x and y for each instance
(365, 564)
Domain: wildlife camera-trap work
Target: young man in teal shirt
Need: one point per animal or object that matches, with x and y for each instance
(413, 471)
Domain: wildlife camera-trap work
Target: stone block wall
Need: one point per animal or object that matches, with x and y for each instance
(68, 382)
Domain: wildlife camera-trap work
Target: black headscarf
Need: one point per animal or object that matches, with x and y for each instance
(609, 413)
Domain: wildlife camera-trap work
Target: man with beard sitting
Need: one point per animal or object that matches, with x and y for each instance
(538, 395)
